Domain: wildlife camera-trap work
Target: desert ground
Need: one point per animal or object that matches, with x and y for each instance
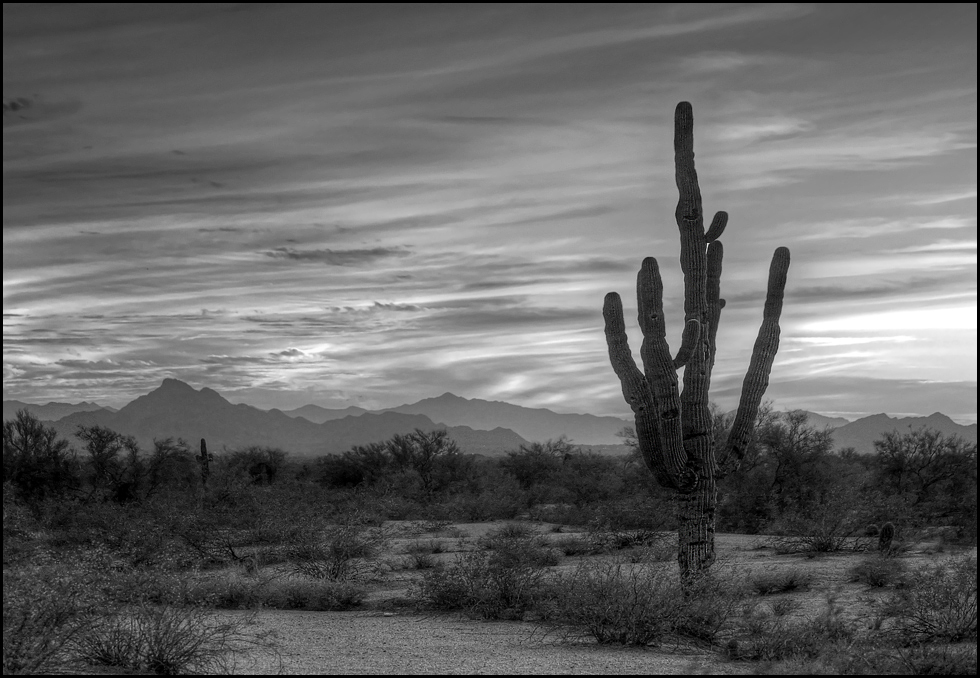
(390, 634)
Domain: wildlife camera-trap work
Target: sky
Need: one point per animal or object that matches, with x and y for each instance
(370, 205)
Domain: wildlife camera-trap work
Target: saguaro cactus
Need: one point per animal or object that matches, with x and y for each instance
(673, 428)
(204, 459)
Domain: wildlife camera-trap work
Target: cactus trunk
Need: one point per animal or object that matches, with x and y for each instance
(673, 426)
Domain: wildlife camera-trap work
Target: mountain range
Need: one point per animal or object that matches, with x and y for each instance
(175, 409)
(478, 426)
(529, 423)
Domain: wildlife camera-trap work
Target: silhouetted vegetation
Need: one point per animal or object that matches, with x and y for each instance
(105, 525)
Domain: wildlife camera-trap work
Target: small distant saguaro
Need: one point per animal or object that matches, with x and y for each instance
(204, 459)
(674, 428)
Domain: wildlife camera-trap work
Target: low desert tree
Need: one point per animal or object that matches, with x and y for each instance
(114, 467)
(263, 465)
(426, 453)
(919, 462)
(537, 463)
(37, 463)
(431, 456)
(927, 477)
(674, 427)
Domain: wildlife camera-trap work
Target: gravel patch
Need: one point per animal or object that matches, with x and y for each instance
(388, 643)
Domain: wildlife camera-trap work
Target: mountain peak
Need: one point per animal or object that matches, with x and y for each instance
(175, 385)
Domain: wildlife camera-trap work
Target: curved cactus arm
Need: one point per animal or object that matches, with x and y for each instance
(757, 378)
(717, 227)
(664, 456)
(689, 342)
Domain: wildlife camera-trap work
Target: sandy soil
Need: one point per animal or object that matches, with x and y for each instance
(391, 643)
(390, 638)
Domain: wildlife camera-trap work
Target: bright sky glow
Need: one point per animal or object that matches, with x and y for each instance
(368, 205)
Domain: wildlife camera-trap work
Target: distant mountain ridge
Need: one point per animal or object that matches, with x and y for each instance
(318, 414)
(537, 424)
(177, 410)
(51, 411)
(479, 426)
(862, 433)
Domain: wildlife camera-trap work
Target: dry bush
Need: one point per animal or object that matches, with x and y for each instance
(427, 547)
(579, 545)
(618, 602)
(315, 596)
(484, 583)
(517, 544)
(940, 604)
(45, 606)
(774, 580)
(236, 592)
(339, 553)
(768, 637)
(167, 640)
(879, 571)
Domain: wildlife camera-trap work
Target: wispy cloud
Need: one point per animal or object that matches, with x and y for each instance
(337, 257)
(353, 205)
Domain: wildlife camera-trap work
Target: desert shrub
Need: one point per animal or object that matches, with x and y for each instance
(879, 571)
(712, 601)
(885, 537)
(428, 547)
(774, 580)
(563, 514)
(505, 503)
(628, 539)
(420, 561)
(940, 604)
(579, 545)
(231, 592)
(784, 606)
(517, 544)
(827, 529)
(485, 583)
(45, 606)
(315, 596)
(934, 660)
(165, 640)
(432, 526)
(339, 553)
(871, 656)
(419, 553)
(617, 602)
(769, 637)
(516, 530)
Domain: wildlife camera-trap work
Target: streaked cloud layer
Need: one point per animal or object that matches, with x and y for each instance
(369, 205)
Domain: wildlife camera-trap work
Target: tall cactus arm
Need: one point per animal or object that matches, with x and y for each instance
(664, 455)
(715, 302)
(689, 214)
(661, 374)
(693, 258)
(757, 378)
